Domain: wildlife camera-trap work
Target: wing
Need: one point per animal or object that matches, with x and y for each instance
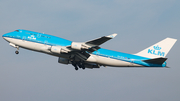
(92, 45)
(99, 41)
(80, 51)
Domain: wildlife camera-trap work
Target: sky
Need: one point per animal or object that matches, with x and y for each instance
(33, 76)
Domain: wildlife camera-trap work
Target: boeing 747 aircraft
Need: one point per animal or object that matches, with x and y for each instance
(89, 54)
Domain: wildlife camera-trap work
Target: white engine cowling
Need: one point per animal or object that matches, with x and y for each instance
(76, 45)
(63, 60)
(79, 46)
(56, 49)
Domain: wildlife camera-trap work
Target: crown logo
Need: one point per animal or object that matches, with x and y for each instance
(157, 47)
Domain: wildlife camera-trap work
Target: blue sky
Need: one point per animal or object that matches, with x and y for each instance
(138, 23)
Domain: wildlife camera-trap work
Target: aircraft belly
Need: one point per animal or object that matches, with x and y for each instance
(114, 62)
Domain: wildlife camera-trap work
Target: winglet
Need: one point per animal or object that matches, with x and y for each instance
(112, 35)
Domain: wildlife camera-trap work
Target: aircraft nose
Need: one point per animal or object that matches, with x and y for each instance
(4, 36)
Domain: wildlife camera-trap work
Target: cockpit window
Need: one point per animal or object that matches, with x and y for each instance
(17, 30)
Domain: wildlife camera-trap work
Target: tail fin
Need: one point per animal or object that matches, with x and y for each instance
(159, 49)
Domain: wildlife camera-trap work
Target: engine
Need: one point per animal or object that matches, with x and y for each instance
(58, 50)
(76, 45)
(63, 60)
(79, 46)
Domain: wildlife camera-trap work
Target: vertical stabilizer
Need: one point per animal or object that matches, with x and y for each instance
(159, 49)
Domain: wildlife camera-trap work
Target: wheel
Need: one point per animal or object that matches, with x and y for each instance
(17, 52)
(79, 66)
(83, 67)
(76, 68)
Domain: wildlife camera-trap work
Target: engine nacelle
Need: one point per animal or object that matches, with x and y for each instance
(76, 45)
(56, 49)
(79, 46)
(63, 60)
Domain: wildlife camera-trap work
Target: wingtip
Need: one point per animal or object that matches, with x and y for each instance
(112, 35)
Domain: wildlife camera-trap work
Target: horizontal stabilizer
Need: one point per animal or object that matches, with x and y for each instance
(156, 60)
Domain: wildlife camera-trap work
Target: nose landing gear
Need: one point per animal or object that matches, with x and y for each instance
(17, 52)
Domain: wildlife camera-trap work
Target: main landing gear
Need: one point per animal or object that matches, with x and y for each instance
(75, 65)
(78, 64)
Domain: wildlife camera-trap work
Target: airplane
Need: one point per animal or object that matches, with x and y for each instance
(89, 54)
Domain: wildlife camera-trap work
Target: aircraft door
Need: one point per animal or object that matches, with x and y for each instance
(39, 35)
(24, 38)
(132, 62)
(45, 42)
